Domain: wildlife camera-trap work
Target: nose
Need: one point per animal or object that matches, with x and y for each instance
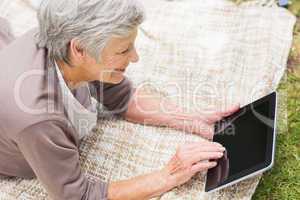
(134, 57)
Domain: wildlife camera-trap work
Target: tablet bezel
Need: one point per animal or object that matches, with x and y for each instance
(260, 168)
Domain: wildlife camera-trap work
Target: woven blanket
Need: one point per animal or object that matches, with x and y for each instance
(204, 55)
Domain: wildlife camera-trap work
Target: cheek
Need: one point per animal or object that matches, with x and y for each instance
(92, 67)
(116, 62)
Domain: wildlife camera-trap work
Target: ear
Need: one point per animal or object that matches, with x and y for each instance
(76, 53)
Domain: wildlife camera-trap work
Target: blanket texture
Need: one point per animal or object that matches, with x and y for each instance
(205, 55)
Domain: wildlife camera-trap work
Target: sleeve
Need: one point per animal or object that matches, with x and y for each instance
(114, 97)
(50, 150)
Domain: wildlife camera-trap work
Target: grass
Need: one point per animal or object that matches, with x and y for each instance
(283, 181)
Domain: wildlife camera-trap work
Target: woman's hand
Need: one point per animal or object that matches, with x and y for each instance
(190, 159)
(200, 123)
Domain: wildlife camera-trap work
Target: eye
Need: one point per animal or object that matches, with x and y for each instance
(123, 52)
(126, 51)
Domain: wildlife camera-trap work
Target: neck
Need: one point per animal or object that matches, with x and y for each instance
(71, 75)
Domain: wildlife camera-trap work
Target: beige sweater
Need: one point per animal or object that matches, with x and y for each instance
(36, 137)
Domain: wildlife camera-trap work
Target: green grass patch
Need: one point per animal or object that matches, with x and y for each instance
(283, 181)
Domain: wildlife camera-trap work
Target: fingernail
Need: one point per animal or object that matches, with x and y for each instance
(218, 144)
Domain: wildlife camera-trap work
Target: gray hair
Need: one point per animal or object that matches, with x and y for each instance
(90, 22)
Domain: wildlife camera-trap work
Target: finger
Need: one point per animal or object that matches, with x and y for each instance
(188, 156)
(200, 156)
(203, 166)
(208, 149)
(214, 118)
(211, 117)
(231, 110)
(204, 144)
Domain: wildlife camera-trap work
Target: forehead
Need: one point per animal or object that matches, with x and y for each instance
(119, 43)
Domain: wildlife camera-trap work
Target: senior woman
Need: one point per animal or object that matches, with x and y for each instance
(51, 80)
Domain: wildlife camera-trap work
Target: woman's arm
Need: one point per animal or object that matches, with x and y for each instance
(149, 109)
(189, 159)
(50, 150)
(139, 188)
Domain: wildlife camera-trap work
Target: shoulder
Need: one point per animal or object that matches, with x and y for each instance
(58, 132)
(29, 92)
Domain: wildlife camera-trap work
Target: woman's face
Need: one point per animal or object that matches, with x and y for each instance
(114, 59)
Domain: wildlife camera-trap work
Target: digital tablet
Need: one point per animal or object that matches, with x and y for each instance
(249, 138)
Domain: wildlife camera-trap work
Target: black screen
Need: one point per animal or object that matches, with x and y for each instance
(248, 138)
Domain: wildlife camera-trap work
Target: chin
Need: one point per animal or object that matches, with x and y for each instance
(114, 77)
(117, 77)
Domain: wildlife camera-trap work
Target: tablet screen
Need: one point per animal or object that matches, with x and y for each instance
(248, 137)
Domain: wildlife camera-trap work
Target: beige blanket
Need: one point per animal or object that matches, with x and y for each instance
(205, 55)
